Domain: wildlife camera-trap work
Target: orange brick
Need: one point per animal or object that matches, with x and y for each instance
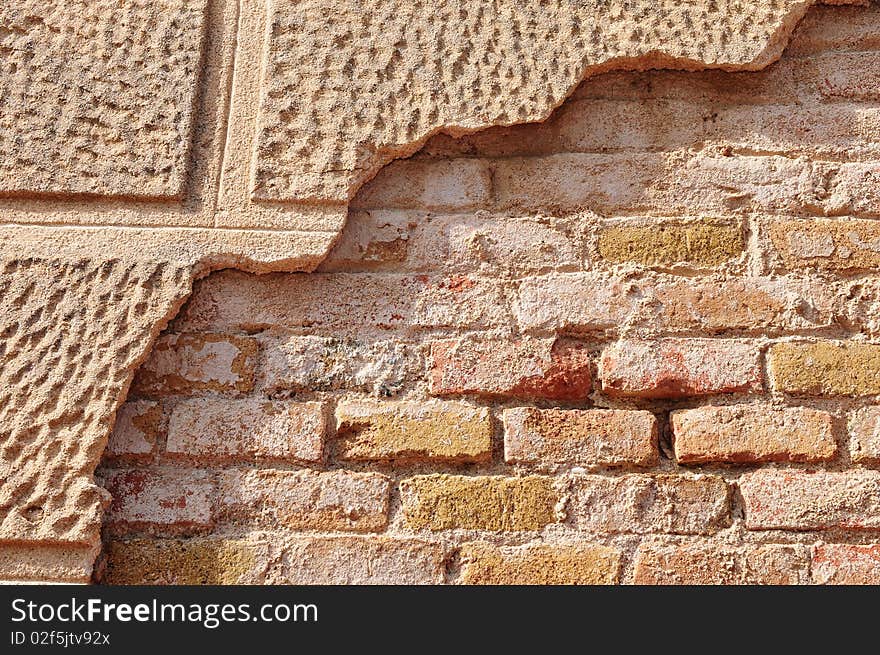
(584, 437)
(706, 563)
(527, 368)
(752, 433)
(807, 500)
(846, 564)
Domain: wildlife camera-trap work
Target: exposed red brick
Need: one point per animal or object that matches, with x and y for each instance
(169, 501)
(529, 368)
(808, 500)
(752, 433)
(846, 564)
(706, 563)
(235, 430)
(677, 368)
(585, 437)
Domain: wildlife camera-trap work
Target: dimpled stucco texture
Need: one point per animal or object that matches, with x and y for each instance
(96, 96)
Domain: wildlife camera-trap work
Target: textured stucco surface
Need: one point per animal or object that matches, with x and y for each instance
(143, 145)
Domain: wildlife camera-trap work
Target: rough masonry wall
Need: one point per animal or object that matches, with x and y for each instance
(140, 151)
(636, 343)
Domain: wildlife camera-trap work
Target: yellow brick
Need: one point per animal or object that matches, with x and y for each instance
(542, 564)
(446, 431)
(182, 562)
(445, 502)
(700, 243)
(826, 368)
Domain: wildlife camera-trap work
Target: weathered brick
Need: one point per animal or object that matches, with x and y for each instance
(826, 368)
(574, 182)
(676, 368)
(437, 431)
(706, 563)
(460, 243)
(539, 564)
(236, 430)
(585, 303)
(784, 81)
(311, 363)
(864, 435)
(189, 363)
(701, 243)
(576, 303)
(185, 562)
(527, 368)
(138, 426)
(584, 437)
(361, 560)
(643, 504)
(855, 189)
(852, 76)
(750, 303)
(169, 501)
(46, 562)
(445, 502)
(493, 245)
(341, 302)
(807, 500)
(846, 564)
(827, 244)
(306, 500)
(826, 29)
(815, 131)
(752, 433)
(428, 184)
(372, 240)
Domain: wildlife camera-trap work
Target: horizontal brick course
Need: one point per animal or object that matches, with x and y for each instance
(446, 502)
(306, 500)
(582, 437)
(752, 433)
(706, 563)
(676, 368)
(344, 302)
(641, 504)
(528, 368)
(242, 430)
(539, 564)
(431, 431)
(584, 303)
(806, 500)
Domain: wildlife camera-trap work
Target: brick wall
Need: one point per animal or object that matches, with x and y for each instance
(636, 343)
